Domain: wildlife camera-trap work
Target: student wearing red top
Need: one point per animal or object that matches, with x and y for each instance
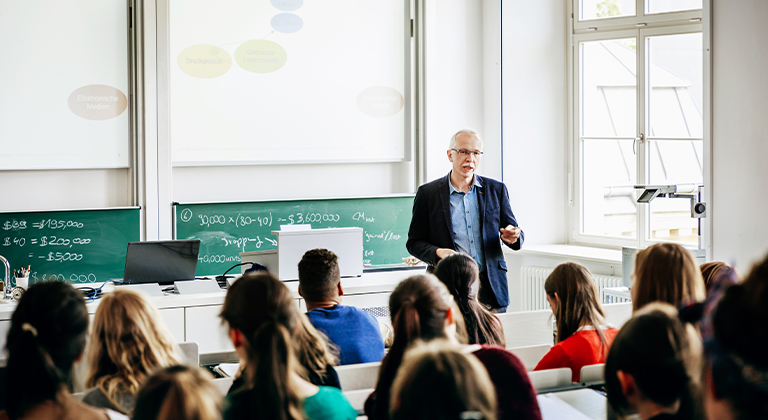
(583, 337)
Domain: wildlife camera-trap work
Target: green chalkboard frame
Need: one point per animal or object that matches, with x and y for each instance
(228, 228)
(78, 246)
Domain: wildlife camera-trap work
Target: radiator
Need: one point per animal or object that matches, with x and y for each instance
(534, 298)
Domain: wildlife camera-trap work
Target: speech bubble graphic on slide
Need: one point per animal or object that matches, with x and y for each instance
(287, 23)
(380, 101)
(260, 56)
(204, 61)
(97, 102)
(287, 5)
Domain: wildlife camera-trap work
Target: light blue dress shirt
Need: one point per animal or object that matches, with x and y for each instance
(465, 218)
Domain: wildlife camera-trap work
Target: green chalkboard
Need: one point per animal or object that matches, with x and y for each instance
(227, 229)
(79, 246)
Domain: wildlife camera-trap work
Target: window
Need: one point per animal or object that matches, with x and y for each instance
(637, 119)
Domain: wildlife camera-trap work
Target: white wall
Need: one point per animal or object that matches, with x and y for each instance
(454, 80)
(739, 132)
(64, 189)
(534, 113)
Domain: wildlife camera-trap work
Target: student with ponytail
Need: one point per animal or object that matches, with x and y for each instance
(261, 316)
(583, 336)
(422, 309)
(460, 274)
(47, 336)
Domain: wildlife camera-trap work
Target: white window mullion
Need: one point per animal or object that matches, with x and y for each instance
(642, 126)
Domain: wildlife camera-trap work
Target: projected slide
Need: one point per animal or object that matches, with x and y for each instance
(281, 81)
(64, 84)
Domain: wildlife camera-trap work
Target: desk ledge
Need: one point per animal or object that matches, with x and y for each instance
(569, 251)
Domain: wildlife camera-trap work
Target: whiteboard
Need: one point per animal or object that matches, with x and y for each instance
(64, 84)
(288, 81)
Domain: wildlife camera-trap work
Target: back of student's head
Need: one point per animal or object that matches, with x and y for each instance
(738, 353)
(262, 309)
(577, 300)
(711, 271)
(129, 340)
(319, 275)
(437, 381)
(418, 308)
(666, 272)
(459, 273)
(178, 393)
(663, 357)
(47, 335)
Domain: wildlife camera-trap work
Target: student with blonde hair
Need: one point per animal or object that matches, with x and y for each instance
(438, 381)
(47, 336)
(179, 393)
(316, 354)
(654, 367)
(261, 315)
(583, 336)
(666, 272)
(129, 341)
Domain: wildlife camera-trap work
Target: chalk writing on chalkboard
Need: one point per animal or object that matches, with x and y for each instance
(76, 246)
(226, 229)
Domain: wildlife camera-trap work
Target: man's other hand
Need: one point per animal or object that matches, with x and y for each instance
(510, 234)
(444, 252)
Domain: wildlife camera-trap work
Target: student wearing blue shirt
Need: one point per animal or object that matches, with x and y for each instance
(353, 331)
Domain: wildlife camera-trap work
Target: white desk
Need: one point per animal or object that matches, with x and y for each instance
(575, 404)
(196, 317)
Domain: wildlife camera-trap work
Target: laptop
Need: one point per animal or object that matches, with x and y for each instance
(163, 262)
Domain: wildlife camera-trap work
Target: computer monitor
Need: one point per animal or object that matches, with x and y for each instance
(162, 262)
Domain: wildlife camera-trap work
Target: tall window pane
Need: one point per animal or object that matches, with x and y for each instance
(675, 112)
(600, 9)
(608, 88)
(608, 197)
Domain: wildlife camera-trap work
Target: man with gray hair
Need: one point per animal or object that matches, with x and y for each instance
(465, 212)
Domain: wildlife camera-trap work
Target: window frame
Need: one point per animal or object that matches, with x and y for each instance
(641, 27)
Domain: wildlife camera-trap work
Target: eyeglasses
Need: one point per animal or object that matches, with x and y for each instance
(466, 153)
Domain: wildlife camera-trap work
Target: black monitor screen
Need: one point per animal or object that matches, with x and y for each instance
(162, 262)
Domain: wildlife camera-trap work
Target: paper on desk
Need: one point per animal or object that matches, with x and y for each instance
(229, 369)
(553, 408)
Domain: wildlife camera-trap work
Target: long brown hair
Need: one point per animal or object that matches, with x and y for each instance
(418, 307)
(664, 358)
(179, 393)
(666, 272)
(129, 340)
(313, 350)
(577, 301)
(459, 272)
(262, 308)
(438, 381)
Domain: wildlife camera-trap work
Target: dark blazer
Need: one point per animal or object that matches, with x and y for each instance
(431, 227)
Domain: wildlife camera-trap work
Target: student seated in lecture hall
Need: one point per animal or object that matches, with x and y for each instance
(654, 367)
(583, 337)
(666, 272)
(438, 381)
(261, 313)
(460, 274)
(179, 393)
(129, 341)
(47, 336)
(353, 331)
(422, 309)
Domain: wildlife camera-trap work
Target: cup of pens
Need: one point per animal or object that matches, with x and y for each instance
(22, 277)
